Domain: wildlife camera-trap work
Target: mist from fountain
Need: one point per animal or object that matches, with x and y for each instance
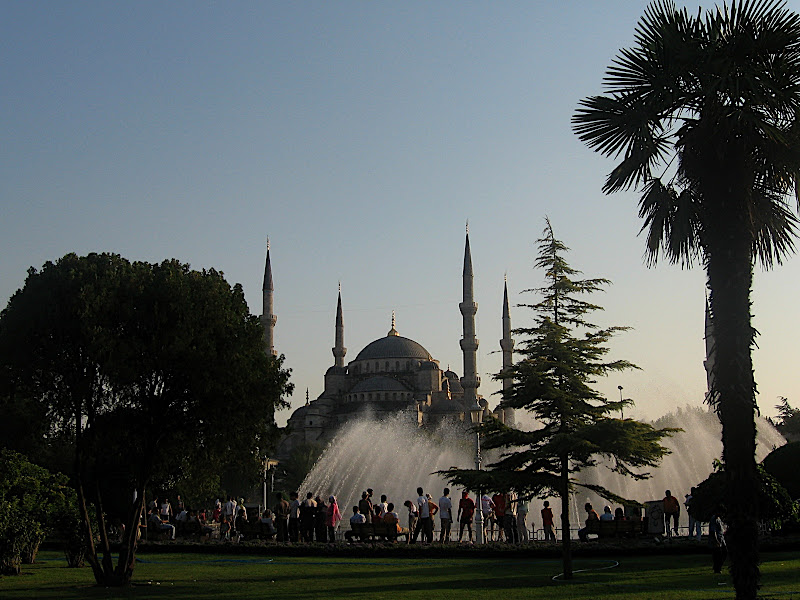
(691, 460)
(394, 458)
(391, 457)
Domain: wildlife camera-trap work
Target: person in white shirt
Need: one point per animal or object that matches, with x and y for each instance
(383, 504)
(522, 520)
(357, 516)
(229, 510)
(166, 510)
(424, 522)
(487, 506)
(446, 515)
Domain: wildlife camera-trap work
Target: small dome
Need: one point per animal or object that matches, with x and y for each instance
(393, 346)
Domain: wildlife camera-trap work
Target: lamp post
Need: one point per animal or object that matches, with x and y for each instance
(476, 417)
(621, 408)
(269, 467)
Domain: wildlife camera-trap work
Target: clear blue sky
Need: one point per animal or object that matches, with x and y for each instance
(358, 136)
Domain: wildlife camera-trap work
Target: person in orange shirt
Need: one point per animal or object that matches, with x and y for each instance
(672, 510)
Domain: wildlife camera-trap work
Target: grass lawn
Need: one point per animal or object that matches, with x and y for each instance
(201, 577)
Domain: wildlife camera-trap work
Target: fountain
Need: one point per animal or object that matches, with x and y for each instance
(390, 457)
(394, 459)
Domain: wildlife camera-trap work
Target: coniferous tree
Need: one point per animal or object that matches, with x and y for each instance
(560, 357)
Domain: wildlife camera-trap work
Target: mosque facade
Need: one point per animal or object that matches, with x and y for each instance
(391, 376)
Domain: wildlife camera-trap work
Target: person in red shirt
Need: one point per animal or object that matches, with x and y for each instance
(466, 512)
(499, 501)
(547, 522)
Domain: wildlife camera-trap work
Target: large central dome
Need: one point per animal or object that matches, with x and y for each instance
(393, 346)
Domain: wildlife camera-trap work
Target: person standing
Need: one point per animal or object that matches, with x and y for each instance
(446, 515)
(510, 521)
(695, 526)
(281, 511)
(412, 516)
(229, 510)
(166, 511)
(499, 501)
(294, 517)
(522, 520)
(716, 540)
(466, 512)
(365, 506)
(487, 510)
(423, 517)
(332, 518)
(320, 527)
(672, 510)
(547, 522)
(308, 514)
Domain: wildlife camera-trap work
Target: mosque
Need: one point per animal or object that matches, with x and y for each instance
(390, 376)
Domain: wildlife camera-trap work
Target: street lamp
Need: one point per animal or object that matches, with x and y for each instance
(621, 408)
(476, 417)
(269, 467)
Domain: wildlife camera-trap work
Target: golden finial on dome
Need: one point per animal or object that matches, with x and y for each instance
(392, 331)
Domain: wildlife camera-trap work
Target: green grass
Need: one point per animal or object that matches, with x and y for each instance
(201, 577)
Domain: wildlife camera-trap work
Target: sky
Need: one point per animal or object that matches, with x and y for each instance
(359, 137)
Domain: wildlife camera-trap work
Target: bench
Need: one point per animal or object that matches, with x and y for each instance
(374, 531)
(255, 530)
(609, 529)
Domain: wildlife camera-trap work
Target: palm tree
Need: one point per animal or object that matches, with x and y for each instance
(703, 111)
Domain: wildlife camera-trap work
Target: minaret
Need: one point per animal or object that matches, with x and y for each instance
(338, 349)
(507, 346)
(469, 343)
(268, 319)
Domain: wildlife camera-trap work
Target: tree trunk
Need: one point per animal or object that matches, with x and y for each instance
(566, 539)
(127, 552)
(729, 267)
(91, 551)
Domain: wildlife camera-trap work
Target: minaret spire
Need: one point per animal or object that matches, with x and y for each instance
(338, 349)
(469, 343)
(268, 319)
(507, 346)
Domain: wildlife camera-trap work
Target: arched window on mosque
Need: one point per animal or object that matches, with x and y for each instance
(397, 365)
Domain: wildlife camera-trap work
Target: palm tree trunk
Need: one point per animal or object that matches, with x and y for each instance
(729, 262)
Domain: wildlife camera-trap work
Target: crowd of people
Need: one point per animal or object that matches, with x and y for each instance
(228, 520)
(505, 517)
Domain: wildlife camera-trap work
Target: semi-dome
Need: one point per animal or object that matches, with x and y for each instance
(393, 346)
(379, 384)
